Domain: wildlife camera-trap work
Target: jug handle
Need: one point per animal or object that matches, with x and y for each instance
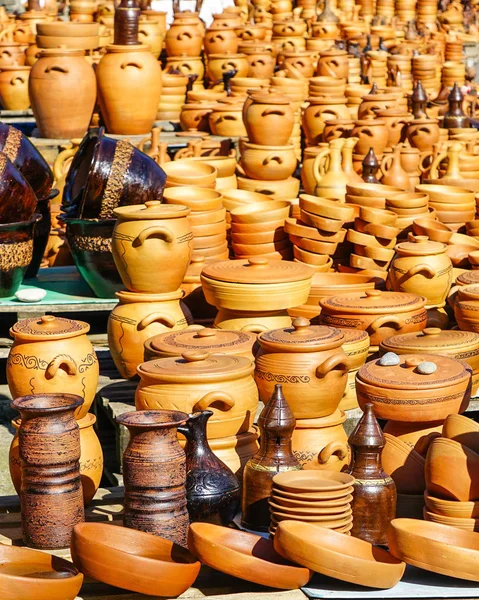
(212, 397)
(336, 447)
(426, 269)
(164, 318)
(435, 164)
(131, 64)
(57, 362)
(162, 232)
(337, 360)
(316, 165)
(60, 161)
(255, 328)
(398, 322)
(386, 163)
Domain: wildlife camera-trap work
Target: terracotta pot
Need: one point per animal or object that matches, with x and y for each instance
(415, 435)
(333, 63)
(371, 133)
(423, 133)
(462, 430)
(269, 162)
(49, 445)
(12, 53)
(52, 87)
(268, 119)
(218, 64)
(220, 40)
(404, 465)
(252, 321)
(148, 237)
(195, 117)
(14, 87)
(337, 128)
(319, 112)
(51, 354)
(138, 317)
(396, 122)
(226, 120)
(183, 39)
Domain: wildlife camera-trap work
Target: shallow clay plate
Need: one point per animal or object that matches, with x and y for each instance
(330, 505)
(312, 481)
(317, 496)
(452, 508)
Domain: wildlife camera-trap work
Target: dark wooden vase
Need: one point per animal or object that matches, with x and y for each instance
(154, 474)
(212, 489)
(51, 495)
(276, 424)
(374, 497)
(127, 19)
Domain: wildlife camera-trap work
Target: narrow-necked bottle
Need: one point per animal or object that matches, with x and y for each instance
(127, 18)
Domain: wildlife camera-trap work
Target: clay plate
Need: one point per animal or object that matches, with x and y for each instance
(330, 505)
(459, 522)
(317, 496)
(312, 481)
(452, 508)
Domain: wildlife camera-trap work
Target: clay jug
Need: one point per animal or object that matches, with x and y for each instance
(331, 184)
(374, 497)
(307, 175)
(268, 119)
(154, 474)
(276, 424)
(61, 107)
(129, 89)
(347, 161)
(51, 493)
(127, 18)
(371, 133)
(212, 489)
(394, 174)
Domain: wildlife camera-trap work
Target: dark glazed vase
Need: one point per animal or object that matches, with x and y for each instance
(51, 494)
(212, 489)
(374, 497)
(17, 199)
(154, 474)
(127, 19)
(455, 116)
(370, 167)
(276, 424)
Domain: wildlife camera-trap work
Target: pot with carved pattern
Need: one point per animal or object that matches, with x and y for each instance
(16, 252)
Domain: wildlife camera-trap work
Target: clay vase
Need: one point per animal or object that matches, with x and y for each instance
(212, 489)
(333, 183)
(374, 497)
(129, 89)
(153, 237)
(61, 108)
(154, 474)
(52, 354)
(371, 133)
(51, 493)
(423, 134)
(394, 174)
(14, 87)
(268, 119)
(275, 455)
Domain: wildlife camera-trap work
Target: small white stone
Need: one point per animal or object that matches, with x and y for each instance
(390, 359)
(30, 295)
(426, 368)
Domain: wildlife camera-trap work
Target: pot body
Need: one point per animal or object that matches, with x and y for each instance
(183, 39)
(415, 435)
(318, 113)
(268, 162)
(220, 41)
(254, 322)
(219, 64)
(371, 134)
(423, 134)
(269, 124)
(227, 121)
(14, 88)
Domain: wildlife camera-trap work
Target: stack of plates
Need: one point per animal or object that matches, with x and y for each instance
(319, 497)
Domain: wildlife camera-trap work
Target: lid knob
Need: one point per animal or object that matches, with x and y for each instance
(206, 332)
(301, 325)
(198, 258)
(258, 261)
(47, 320)
(413, 361)
(432, 331)
(152, 204)
(373, 293)
(195, 356)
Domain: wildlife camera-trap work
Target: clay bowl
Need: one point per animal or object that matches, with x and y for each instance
(323, 223)
(435, 230)
(367, 201)
(275, 235)
(260, 212)
(252, 228)
(336, 555)
(330, 209)
(364, 263)
(452, 508)
(460, 523)
(377, 216)
(298, 228)
(234, 198)
(375, 253)
(463, 430)
(321, 505)
(111, 554)
(260, 249)
(385, 232)
(244, 555)
(311, 258)
(197, 198)
(331, 284)
(207, 217)
(435, 547)
(37, 575)
(369, 241)
(186, 172)
(312, 481)
(473, 258)
(314, 246)
(319, 521)
(373, 190)
(306, 513)
(324, 268)
(459, 254)
(446, 193)
(408, 200)
(404, 465)
(452, 470)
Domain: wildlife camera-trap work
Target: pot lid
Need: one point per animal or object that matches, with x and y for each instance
(337, 418)
(197, 366)
(222, 341)
(468, 292)
(414, 371)
(374, 302)
(302, 337)
(269, 98)
(257, 270)
(432, 340)
(420, 245)
(48, 327)
(152, 210)
(468, 278)
(354, 337)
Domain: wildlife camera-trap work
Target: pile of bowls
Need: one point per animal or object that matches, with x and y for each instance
(453, 205)
(466, 307)
(408, 207)
(184, 172)
(319, 497)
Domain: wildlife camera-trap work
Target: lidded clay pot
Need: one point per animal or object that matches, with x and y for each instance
(417, 387)
(356, 346)
(422, 266)
(152, 238)
(269, 119)
(309, 362)
(198, 381)
(381, 314)
(53, 355)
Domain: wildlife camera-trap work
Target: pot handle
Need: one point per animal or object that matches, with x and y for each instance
(268, 159)
(255, 328)
(386, 163)
(317, 164)
(15, 79)
(162, 232)
(57, 362)
(426, 269)
(212, 397)
(155, 317)
(58, 165)
(273, 111)
(398, 322)
(340, 449)
(332, 362)
(56, 68)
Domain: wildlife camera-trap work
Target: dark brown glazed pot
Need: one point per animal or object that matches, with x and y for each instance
(374, 497)
(107, 173)
(154, 474)
(127, 18)
(212, 489)
(16, 251)
(90, 245)
(17, 199)
(51, 494)
(276, 424)
(41, 234)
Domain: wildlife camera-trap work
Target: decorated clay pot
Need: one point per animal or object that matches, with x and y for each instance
(268, 119)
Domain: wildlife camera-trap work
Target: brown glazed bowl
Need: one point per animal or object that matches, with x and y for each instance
(133, 560)
(244, 555)
(37, 575)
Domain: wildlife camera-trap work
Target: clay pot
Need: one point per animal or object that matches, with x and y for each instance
(269, 162)
(337, 128)
(16, 242)
(218, 64)
(462, 430)
(52, 87)
(226, 120)
(319, 112)
(49, 445)
(268, 119)
(121, 72)
(51, 354)
(195, 117)
(371, 133)
(220, 40)
(14, 87)
(404, 465)
(333, 63)
(396, 122)
(423, 133)
(184, 38)
(138, 317)
(11, 53)
(251, 321)
(148, 237)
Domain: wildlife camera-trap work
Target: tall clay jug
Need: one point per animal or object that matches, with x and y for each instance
(212, 489)
(347, 161)
(394, 174)
(333, 183)
(276, 424)
(374, 497)
(51, 495)
(154, 474)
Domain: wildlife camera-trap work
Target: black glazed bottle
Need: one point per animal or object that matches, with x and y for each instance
(212, 489)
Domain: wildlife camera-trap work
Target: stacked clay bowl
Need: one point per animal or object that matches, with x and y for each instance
(76, 36)
(453, 205)
(372, 195)
(319, 497)
(408, 207)
(466, 306)
(184, 172)
(435, 230)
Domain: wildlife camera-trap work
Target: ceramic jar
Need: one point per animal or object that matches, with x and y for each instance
(373, 102)
(14, 87)
(422, 267)
(184, 38)
(53, 355)
(220, 40)
(199, 381)
(121, 73)
(396, 122)
(226, 119)
(309, 363)
(268, 119)
(381, 314)
(62, 109)
(219, 64)
(268, 162)
(138, 317)
(333, 63)
(152, 238)
(423, 134)
(417, 387)
(371, 133)
(319, 112)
